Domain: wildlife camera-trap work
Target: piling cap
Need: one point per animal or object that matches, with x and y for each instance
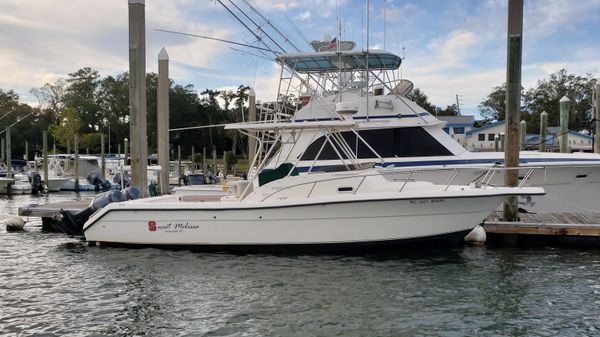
(544, 113)
(523, 122)
(251, 92)
(162, 55)
(564, 99)
(141, 2)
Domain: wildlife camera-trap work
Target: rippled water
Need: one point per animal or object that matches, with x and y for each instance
(55, 285)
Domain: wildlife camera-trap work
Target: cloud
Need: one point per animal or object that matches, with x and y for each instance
(545, 17)
(304, 16)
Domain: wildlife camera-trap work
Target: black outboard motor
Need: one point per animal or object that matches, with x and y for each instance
(73, 223)
(132, 193)
(96, 179)
(212, 178)
(117, 179)
(35, 180)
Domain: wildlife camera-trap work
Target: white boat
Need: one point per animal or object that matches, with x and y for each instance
(61, 172)
(284, 210)
(407, 136)
(55, 184)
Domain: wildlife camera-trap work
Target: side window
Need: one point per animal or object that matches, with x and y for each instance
(399, 142)
(446, 130)
(491, 136)
(481, 137)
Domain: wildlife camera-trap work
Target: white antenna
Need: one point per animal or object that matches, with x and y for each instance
(383, 24)
(367, 56)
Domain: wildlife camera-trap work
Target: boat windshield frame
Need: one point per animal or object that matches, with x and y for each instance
(330, 129)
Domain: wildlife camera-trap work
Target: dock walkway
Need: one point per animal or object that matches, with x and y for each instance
(573, 229)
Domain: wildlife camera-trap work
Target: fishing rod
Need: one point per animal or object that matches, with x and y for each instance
(216, 39)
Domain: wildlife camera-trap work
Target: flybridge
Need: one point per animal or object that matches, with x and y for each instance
(315, 62)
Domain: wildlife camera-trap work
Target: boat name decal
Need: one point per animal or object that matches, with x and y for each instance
(427, 201)
(171, 227)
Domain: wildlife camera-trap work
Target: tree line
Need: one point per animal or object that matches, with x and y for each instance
(545, 96)
(89, 105)
(86, 104)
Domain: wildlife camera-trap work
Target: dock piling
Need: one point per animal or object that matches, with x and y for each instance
(8, 153)
(45, 154)
(564, 125)
(204, 164)
(137, 95)
(513, 103)
(543, 126)
(179, 165)
(162, 119)
(76, 175)
(597, 117)
(103, 167)
(522, 134)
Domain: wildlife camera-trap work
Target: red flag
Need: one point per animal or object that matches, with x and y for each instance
(332, 43)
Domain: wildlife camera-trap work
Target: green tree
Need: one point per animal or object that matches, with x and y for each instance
(493, 108)
(419, 97)
(92, 142)
(450, 110)
(113, 99)
(68, 124)
(547, 94)
(81, 96)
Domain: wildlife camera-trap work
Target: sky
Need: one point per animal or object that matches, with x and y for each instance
(450, 48)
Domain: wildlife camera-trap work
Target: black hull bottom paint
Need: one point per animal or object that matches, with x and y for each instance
(437, 241)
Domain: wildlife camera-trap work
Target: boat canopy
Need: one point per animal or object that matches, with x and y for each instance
(344, 60)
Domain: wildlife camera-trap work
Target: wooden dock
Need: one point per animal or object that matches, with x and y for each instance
(559, 228)
(49, 212)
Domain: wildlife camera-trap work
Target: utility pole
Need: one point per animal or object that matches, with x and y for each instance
(457, 105)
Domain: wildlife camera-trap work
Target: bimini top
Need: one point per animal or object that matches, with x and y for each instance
(346, 60)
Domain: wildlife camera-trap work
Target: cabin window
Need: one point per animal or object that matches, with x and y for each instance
(446, 130)
(399, 142)
(491, 137)
(481, 137)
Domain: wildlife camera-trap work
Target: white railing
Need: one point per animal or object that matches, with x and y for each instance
(482, 182)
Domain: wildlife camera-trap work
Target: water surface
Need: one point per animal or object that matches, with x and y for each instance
(55, 285)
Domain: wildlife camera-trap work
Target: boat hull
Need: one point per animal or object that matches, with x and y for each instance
(56, 184)
(362, 223)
